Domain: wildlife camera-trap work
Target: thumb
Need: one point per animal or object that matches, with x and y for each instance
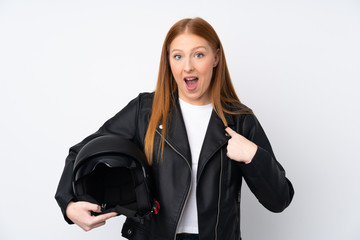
(106, 216)
(230, 131)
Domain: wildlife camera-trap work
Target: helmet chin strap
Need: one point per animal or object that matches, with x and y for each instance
(132, 214)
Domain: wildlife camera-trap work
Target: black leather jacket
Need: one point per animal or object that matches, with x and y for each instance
(218, 179)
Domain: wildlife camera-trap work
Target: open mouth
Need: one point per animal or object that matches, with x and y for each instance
(191, 82)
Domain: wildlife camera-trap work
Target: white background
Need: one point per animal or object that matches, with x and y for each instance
(68, 66)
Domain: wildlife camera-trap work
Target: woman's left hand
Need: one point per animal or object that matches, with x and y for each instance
(239, 148)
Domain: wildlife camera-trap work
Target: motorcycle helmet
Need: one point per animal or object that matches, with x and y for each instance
(113, 172)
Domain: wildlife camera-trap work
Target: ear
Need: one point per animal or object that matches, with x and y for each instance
(217, 57)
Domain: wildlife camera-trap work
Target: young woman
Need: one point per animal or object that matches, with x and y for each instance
(200, 142)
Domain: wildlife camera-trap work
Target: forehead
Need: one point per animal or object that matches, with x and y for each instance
(188, 41)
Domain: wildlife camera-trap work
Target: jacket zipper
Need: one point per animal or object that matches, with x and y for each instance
(219, 199)
(189, 190)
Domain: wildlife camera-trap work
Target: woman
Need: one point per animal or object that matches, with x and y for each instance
(200, 142)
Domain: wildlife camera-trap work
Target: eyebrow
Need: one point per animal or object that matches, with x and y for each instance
(190, 49)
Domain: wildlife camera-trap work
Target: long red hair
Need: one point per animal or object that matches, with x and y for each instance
(223, 95)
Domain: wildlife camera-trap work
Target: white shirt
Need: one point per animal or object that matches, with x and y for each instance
(196, 119)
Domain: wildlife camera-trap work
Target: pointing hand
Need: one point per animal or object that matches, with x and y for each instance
(239, 148)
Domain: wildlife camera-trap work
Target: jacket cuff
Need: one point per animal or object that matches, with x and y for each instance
(63, 203)
(260, 158)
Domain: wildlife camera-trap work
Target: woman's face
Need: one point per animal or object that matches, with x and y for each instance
(192, 61)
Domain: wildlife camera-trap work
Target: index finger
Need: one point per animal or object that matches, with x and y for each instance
(230, 131)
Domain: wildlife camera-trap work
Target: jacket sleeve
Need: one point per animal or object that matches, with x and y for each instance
(264, 175)
(123, 123)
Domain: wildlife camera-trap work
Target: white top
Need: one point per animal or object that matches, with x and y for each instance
(196, 119)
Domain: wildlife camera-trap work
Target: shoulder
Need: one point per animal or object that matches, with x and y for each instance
(238, 107)
(146, 96)
(243, 120)
(142, 101)
(145, 100)
(141, 104)
(238, 112)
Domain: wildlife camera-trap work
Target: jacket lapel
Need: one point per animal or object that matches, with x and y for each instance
(177, 135)
(215, 138)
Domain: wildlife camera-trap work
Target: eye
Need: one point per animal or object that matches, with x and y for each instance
(177, 57)
(199, 55)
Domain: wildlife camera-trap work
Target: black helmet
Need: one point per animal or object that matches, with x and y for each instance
(113, 172)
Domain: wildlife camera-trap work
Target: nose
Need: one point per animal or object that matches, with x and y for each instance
(188, 66)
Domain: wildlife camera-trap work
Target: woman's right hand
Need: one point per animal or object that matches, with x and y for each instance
(80, 214)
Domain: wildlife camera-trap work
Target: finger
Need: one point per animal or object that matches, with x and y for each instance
(230, 131)
(97, 221)
(106, 216)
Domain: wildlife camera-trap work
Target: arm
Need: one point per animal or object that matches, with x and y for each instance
(263, 174)
(123, 123)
